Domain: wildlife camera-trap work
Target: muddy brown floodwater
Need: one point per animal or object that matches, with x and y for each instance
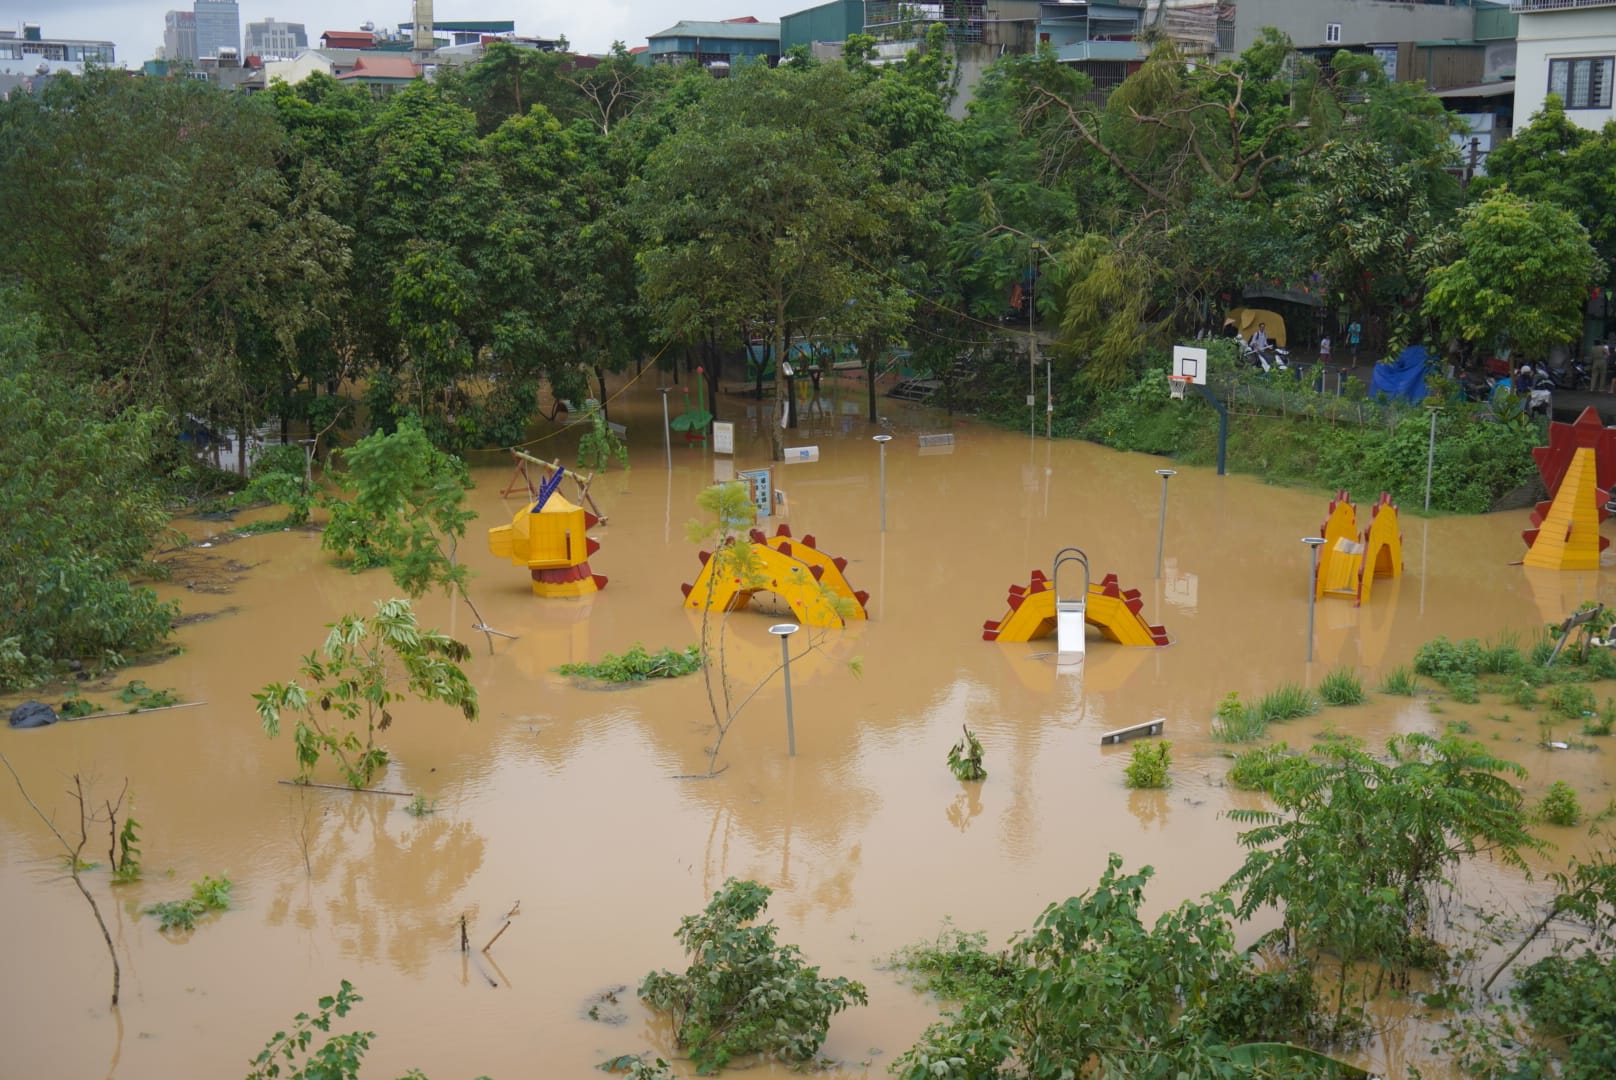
(567, 799)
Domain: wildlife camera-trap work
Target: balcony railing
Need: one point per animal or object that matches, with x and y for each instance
(1532, 6)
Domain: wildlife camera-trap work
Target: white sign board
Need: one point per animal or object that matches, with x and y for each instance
(723, 437)
(797, 454)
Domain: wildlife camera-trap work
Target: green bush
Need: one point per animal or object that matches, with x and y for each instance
(1560, 805)
(637, 665)
(1256, 769)
(209, 894)
(743, 992)
(1464, 689)
(1501, 657)
(965, 758)
(1442, 659)
(1148, 766)
(1342, 687)
(1574, 1000)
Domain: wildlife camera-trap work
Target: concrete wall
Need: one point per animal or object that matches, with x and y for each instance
(1363, 22)
(827, 22)
(1553, 35)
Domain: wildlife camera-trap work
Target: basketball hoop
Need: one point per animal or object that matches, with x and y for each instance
(1177, 384)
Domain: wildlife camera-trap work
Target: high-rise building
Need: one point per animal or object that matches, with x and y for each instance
(218, 26)
(179, 35)
(272, 39)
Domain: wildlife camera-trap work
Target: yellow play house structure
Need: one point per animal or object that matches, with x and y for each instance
(795, 570)
(1352, 558)
(551, 538)
(1578, 468)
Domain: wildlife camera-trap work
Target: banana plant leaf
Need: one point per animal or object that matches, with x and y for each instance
(1283, 1059)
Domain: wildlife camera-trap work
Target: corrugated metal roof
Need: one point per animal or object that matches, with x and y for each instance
(1485, 90)
(763, 31)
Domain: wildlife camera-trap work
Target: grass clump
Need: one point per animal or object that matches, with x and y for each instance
(1560, 805)
(1287, 701)
(1571, 701)
(420, 806)
(1601, 724)
(209, 894)
(1147, 768)
(1502, 656)
(1235, 721)
(1399, 681)
(1342, 687)
(637, 665)
(1464, 689)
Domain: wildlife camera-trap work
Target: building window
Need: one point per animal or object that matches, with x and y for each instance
(1332, 33)
(1583, 82)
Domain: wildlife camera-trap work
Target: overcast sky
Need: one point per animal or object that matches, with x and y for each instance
(136, 26)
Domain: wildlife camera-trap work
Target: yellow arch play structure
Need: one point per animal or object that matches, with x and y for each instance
(1350, 560)
(796, 571)
(1111, 610)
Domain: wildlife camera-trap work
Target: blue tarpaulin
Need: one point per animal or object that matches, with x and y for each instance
(1403, 377)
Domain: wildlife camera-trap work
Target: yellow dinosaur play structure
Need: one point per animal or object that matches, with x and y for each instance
(1111, 610)
(551, 538)
(795, 570)
(1351, 560)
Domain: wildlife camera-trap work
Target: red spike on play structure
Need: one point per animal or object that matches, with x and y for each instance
(685, 589)
(591, 545)
(600, 580)
(590, 520)
(1017, 590)
(1038, 575)
(809, 540)
(862, 597)
(838, 562)
(990, 635)
(1015, 601)
(704, 556)
(783, 530)
(784, 549)
(1134, 604)
(817, 570)
(758, 537)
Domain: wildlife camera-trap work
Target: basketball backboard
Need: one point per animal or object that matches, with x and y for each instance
(1190, 362)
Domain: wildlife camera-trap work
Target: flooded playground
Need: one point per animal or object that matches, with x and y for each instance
(575, 802)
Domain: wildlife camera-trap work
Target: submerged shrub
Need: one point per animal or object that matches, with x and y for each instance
(1342, 687)
(1236, 721)
(1399, 681)
(1147, 768)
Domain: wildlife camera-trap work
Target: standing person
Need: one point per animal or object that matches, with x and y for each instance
(1354, 338)
(1259, 344)
(1599, 380)
(1324, 350)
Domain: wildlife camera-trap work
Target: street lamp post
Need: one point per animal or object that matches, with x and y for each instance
(667, 439)
(1161, 523)
(881, 441)
(1430, 455)
(1313, 544)
(783, 631)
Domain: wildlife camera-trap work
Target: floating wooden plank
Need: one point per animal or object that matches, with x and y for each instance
(1123, 734)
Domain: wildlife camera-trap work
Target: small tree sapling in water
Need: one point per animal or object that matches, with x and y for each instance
(965, 757)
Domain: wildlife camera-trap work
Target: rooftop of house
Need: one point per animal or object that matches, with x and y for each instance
(348, 39)
(736, 31)
(384, 66)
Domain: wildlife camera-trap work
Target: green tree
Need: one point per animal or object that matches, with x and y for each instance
(183, 263)
(1522, 278)
(83, 512)
(402, 505)
(365, 665)
(754, 207)
(1357, 847)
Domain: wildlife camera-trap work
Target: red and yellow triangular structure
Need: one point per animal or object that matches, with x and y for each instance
(1578, 467)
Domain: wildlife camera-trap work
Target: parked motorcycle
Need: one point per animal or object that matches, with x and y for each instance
(1269, 358)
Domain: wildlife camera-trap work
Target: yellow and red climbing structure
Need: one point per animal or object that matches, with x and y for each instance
(551, 538)
(811, 582)
(1109, 608)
